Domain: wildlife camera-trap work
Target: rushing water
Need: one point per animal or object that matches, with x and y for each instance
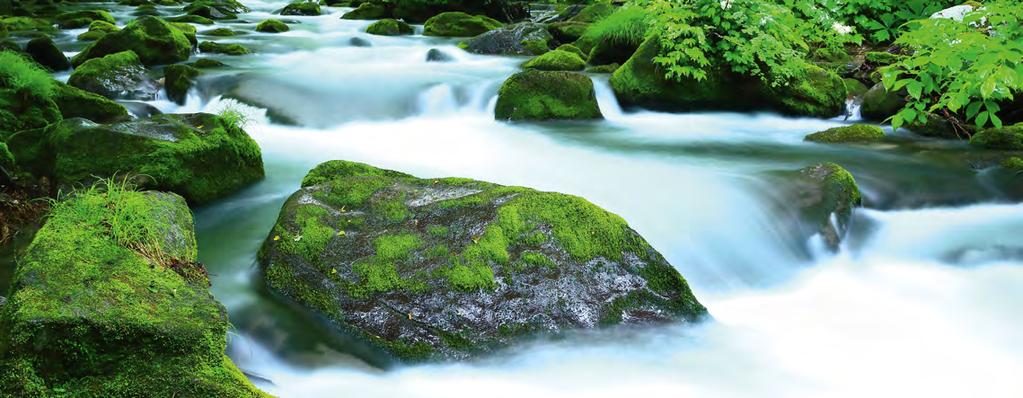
(923, 299)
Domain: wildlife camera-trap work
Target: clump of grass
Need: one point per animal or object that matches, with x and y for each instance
(628, 25)
(24, 76)
(233, 116)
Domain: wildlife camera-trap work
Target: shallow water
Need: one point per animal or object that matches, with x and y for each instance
(922, 300)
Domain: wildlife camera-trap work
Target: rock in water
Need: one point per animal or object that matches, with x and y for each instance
(154, 40)
(199, 156)
(75, 102)
(861, 133)
(525, 38)
(45, 52)
(459, 24)
(115, 76)
(389, 27)
(450, 268)
(544, 95)
(109, 300)
(178, 79)
(302, 8)
(825, 195)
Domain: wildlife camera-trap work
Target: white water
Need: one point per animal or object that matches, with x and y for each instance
(920, 302)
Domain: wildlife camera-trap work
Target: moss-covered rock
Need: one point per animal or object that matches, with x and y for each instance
(189, 18)
(110, 300)
(459, 24)
(81, 19)
(1008, 138)
(389, 27)
(116, 76)
(45, 53)
(544, 95)
(600, 9)
(22, 24)
(450, 268)
(572, 49)
(526, 38)
(844, 134)
(272, 26)
(216, 9)
(178, 79)
(421, 11)
(818, 93)
(154, 41)
(302, 7)
(824, 195)
(879, 104)
(98, 29)
(567, 31)
(74, 102)
(189, 30)
(220, 32)
(855, 88)
(199, 156)
(220, 48)
(26, 95)
(368, 10)
(556, 60)
(611, 68)
(207, 63)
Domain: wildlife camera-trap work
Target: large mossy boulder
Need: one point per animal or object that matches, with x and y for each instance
(154, 40)
(428, 269)
(878, 104)
(223, 48)
(526, 38)
(856, 133)
(45, 53)
(545, 95)
(302, 7)
(110, 300)
(824, 196)
(459, 24)
(199, 156)
(178, 79)
(98, 29)
(1007, 138)
(389, 27)
(115, 76)
(272, 26)
(81, 19)
(368, 10)
(216, 9)
(642, 83)
(557, 60)
(75, 102)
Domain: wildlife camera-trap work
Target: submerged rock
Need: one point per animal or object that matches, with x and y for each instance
(525, 38)
(847, 134)
(115, 76)
(459, 24)
(435, 55)
(45, 52)
(824, 195)
(451, 268)
(154, 40)
(389, 27)
(178, 79)
(543, 95)
(199, 156)
(557, 60)
(110, 300)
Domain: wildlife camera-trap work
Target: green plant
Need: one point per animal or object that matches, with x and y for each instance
(232, 115)
(960, 70)
(24, 76)
(629, 24)
(881, 21)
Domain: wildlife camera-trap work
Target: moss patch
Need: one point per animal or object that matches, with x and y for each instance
(272, 26)
(459, 24)
(557, 60)
(1008, 138)
(544, 95)
(844, 134)
(389, 27)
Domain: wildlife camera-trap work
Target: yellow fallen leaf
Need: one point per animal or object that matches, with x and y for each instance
(277, 237)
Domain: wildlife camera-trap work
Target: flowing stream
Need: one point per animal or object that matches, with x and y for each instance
(923, 299)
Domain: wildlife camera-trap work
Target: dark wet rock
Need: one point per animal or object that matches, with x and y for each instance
(302, 7)
(115, 76)
(544, 95)
(824, 196)
(206, 63)
(848, 134)
(81, 19)
(110, 300)
(74, 102)
(178, 79)
(359, 42)
(428, 269)
(199, 156)
(389, 27)
(189, 18)
(216, 9)
(140, 109)
(154, 40)
(272, 26)
(435, 55)
(45, 52)
(525, 38)
(879, 104)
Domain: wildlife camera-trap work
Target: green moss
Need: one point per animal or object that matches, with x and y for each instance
(572, 49)
(154, 40)
(178, 79)
(6, 157)
(220, 32)
(853, 133)
(97, 75)
(470, 277)
(101, 308)
(339, 169)
(438, 230)
(389, 27)
(26, 95)
(535, 259)
(392, 209)
(1008, 138)
(640, 82)
(819, 93)
(302, 8)
(600, 9)
(1014, 163)
(75, 102)
(854, 87)
(367, 10)
(81, 19)
(396, 247)
(311, 236)
(609, 68)
(535, 46)
(189, 18)
(220, 48)
(459, 24)
(98, 29)
(272, 26)
(567, 31)
(557, 60)
(544, 95)
(882, 58)
(19, 24)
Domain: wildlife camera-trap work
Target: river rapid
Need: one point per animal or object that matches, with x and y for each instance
(923, 298)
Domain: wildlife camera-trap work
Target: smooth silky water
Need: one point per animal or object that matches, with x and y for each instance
(923, 299)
